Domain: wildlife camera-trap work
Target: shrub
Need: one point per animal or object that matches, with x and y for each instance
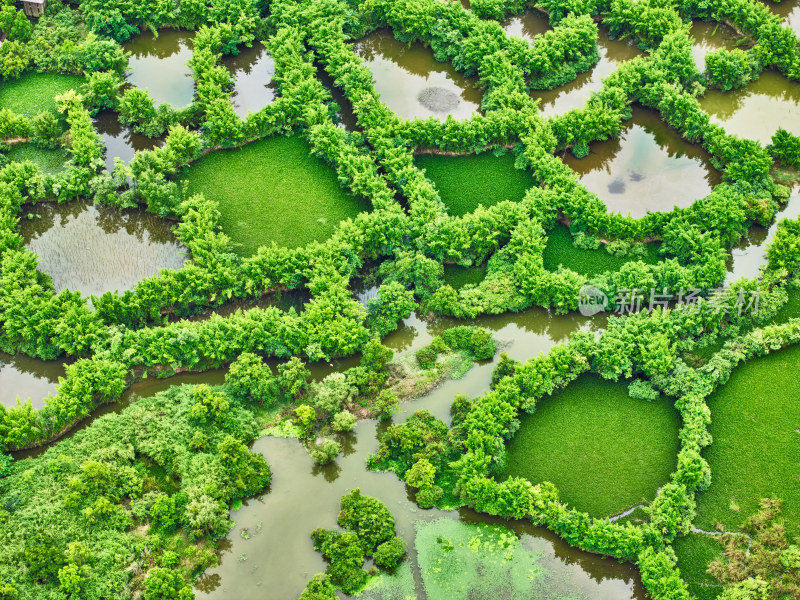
(325, 452)
(390, 553)
(386, 404)
(429, 496)
(249, 379)
(343, 421)
(785, 148)
(729, 69)
(45, 129)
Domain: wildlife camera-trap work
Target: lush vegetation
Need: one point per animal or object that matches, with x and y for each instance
(466, 182)
(169, 484)
(48, 160)
(603, 450)
(272, 191)
(754, 440)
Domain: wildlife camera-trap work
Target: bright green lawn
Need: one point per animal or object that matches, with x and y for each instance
(457, 277)
(604, 451)
(34, 92)
(561, 251)
(464, 182)
(273, 190)
(755, 420)
(49, 161)
(695, 552)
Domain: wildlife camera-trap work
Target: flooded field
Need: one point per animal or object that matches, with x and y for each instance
(412, 83)
(575, 93)
(95, 249)
(252, 69)
(159, 65)
(758, 109)
(649, 168)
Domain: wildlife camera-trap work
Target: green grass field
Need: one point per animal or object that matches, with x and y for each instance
(464, 182)
(457, 276)
(695, 552)
(561, 251)
(34, 92)
(273, 190)
(604, 451)
(49, 161)
(755, 422)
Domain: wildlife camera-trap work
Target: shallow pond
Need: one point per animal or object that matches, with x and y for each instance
(253, 70)
(709, 37)
(527, 25)
(24, 377)
(412, 83)
(120, 141)
(304, 496)
(649, 168)
(750, 253)
(575, 93)
(95, 249)
(758, 109)
(159, 65)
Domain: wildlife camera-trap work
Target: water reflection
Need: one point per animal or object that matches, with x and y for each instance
(758, 109)
(95, 249)
(253, 70)
(788, 11)
(278, 557)
(649, 168)
(709, 37)
(750, 253)
(159, 65)
(120, 141)
(24, 377)
(412, 83)
(527, 25)
(575, 93)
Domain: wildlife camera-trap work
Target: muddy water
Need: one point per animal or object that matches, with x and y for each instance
(709, 37)
(412, 83)
(575, 93)
(120, 141)
(750, 253)
(24, 377)
(304, 496)
(159, 65)
(788, 11)
(758, 109)
(95, 249)
(649, 168)
(252, 69)
(527, 25)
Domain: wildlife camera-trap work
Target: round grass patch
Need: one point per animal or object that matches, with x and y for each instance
(603, 450)
(273, 190)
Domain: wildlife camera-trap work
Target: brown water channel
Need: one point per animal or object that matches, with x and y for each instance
(709, 37)
(412, 83)
(252, 69)
(120, 141)
(575, 93)
(95, 249)
(750, 253)
(758, 109)
(649, 168)
(159, 65)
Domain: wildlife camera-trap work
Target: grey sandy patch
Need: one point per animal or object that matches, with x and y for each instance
(438, 100)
